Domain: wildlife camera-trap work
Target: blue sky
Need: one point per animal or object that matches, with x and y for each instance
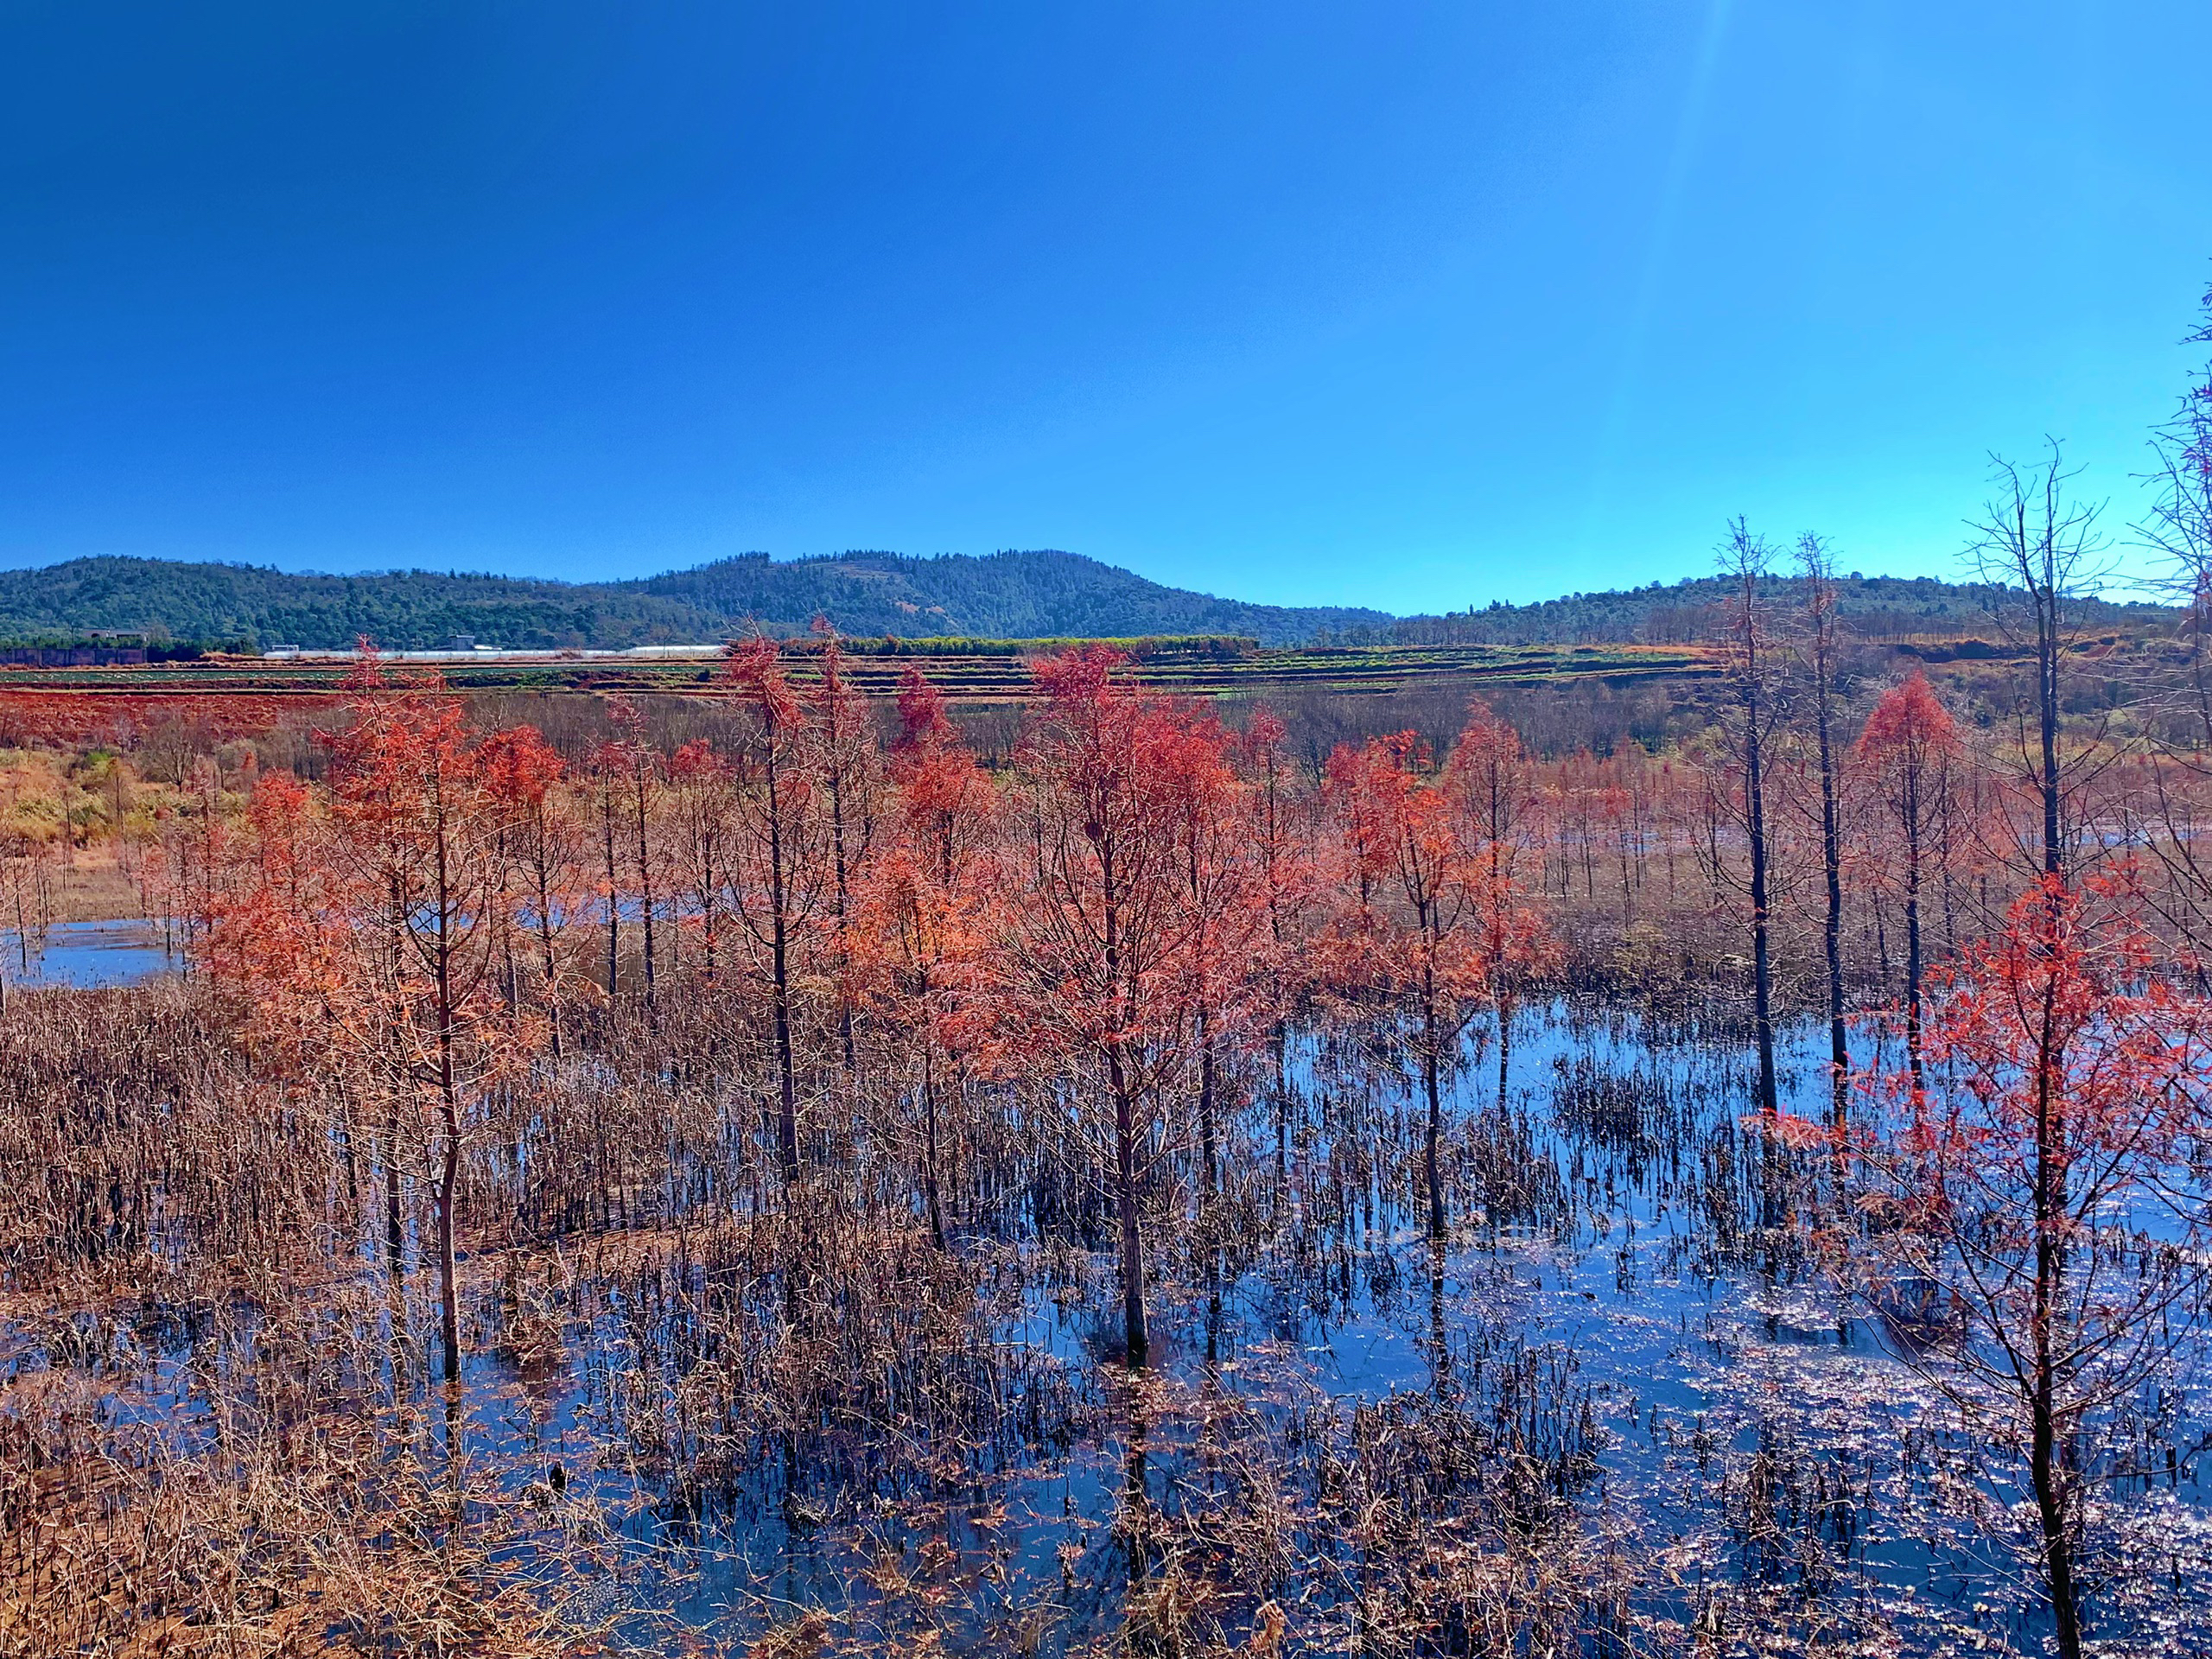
(1408, 305)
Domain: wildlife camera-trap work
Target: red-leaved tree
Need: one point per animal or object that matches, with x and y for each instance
(2038, 1205)
(1908, 752)
(1100, 960)
(777, 890)
(925, 916)
(1436, 923)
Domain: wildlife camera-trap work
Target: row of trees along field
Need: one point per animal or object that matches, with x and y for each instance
(790, 1008)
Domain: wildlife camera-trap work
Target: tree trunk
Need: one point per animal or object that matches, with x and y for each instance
(448, 1295)
(395, 1229)
(645, 880)
(929, 1145)
(787, 1066)
(781, 995)
(2047, 651)
(1762, 963)
(2052, 1504)
(1504, 1045)
(448, 1105)
(1433, 1085)
(1206, 1137)
(1912, 956)
(1831, 921)
(2050, 1509)
(613, 894)
(838, 898)
(1283, 1114)
(1125, 1200)
(546, 962)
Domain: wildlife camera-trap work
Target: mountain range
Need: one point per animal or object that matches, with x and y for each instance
(998, 595)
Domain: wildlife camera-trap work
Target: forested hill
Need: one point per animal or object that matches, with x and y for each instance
(1694, 610)
(998, 595)
(1001, 594)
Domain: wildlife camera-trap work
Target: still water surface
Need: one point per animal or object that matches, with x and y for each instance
(87, 955)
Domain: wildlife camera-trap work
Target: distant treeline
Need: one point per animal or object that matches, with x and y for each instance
(1693, 612)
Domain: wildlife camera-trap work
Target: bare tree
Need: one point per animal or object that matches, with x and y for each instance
(633, 758)
(2179, 528)
(2037, 548)
(1819, 648)
(1748, 728)
(2179, 532)
(846, 764)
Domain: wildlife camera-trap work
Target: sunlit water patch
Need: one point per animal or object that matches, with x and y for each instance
(87, 956)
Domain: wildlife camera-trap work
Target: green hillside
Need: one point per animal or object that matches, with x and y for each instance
(1009, 595)
(1013, 595)
(398, 610)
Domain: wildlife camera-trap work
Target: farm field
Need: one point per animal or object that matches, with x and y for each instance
(236, 696)
(966, 670)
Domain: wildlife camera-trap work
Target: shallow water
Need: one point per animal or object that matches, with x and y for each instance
(88, 955)
(1754, 1431)
(1765, 1435)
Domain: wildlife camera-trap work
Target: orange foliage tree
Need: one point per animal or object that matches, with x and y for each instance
(543, 846)
(847, 764)
(926, 915)
(776, 891)
(1101, 962)
(385, 930)
(1229, 893)
(629, 769)
(1438, 922)
(1908, 752)
(701, 788)
(1495, 793)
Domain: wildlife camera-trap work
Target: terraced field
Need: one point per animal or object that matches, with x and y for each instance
(247, 693)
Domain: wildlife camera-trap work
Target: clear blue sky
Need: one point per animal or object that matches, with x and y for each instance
(1406, 305)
